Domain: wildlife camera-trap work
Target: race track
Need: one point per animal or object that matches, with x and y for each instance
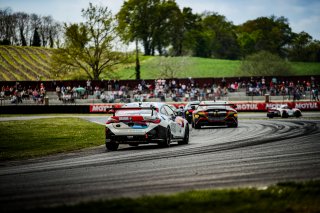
(258, 153)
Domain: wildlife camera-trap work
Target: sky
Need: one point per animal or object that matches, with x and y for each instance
(303, 15)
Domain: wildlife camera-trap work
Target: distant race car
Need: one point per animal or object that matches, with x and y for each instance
(143, 123)
(215, 113)
(189, 108)
(284, 111)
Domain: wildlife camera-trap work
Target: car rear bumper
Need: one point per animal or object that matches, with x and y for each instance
(155, 135)
(273, 114)
(215, 122)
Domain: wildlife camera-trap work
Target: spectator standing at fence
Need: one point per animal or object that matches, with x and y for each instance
(35, 95)
(58, 92)
(116, 85)
(296, 93)
(173, 84)
(315, 94)
(42, 93)
(308, 86)
(89, 87)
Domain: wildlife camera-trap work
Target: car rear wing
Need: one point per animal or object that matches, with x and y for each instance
(231, 105)
(114, 110)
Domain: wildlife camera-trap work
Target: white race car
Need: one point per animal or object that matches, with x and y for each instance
(142, 123)
(284, 111)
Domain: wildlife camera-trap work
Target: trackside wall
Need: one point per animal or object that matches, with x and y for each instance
(104, 108)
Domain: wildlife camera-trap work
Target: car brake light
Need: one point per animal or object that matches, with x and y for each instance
(230, 112)
(112, 119)
(155, 121)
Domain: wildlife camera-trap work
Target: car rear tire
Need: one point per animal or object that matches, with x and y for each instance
(234, 125)
(197, 126)
(285, 114)
(297, 114)
(270, 115)
(112, 146)
(167, 140)
(186, 137)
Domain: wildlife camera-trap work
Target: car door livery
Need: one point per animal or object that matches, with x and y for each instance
(174, 127)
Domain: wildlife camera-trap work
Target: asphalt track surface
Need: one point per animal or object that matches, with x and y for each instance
(258, 153)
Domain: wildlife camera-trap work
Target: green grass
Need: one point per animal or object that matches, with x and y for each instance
(287, 197)
(40, 137)
(301, 68)
(206, 68)
(37, 61)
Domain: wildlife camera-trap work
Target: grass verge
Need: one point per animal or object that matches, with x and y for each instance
(40, 137)
(287, 197)
(204, 68)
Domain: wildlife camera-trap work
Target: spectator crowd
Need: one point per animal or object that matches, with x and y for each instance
(165, 89)
(17, 94)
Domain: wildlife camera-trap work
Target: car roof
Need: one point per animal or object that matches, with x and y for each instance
(193, 103)
(213, 102)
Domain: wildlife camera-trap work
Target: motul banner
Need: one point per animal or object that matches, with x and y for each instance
(103, 107)
(241, 106)
(262, 106)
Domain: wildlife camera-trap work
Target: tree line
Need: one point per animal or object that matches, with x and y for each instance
(23, 29)
(165, 29)
(162, 27)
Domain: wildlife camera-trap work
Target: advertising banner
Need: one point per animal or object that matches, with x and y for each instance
(241, 106)
(304, 106)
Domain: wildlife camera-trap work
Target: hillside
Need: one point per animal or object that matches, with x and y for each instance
(24, 63)
(205, 67)
(30, 63)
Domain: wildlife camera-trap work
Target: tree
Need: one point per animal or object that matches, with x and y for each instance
(135, 20)
(214, 37)
(264, 63)
(22, 19)
(271, 34)
(8, 23)
(20, 28)
(160, 35)
(303, 48)
(89, 45)
(151, 22)
(44, 30)
(36, 42)
(223, 40)
(183, 22)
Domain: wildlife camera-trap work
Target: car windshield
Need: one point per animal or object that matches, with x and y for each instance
(212, 106)
(202, 107)
(134, 112)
